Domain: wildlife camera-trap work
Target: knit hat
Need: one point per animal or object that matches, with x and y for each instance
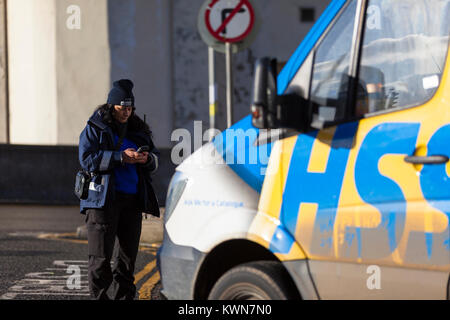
(121, 93)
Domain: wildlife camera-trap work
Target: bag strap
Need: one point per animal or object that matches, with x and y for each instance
(120, 141)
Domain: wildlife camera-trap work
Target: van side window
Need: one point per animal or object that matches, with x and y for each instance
(403, 55)
(331, 62)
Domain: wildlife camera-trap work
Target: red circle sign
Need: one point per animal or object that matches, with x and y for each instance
(229, 23)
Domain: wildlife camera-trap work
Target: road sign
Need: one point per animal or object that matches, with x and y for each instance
(232, 21)
(229, 20)
(227, 26)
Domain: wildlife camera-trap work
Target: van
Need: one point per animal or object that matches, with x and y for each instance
(336, 186)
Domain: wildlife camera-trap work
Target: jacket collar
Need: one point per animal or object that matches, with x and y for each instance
(97, 120)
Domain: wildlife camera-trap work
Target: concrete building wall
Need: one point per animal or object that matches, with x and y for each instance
(59, 75)
(280, 33)
(4, 116)
(32, 71)
(82, 65)
(55, 73)
(139, 40)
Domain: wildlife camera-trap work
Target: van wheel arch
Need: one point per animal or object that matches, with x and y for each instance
(226, 256)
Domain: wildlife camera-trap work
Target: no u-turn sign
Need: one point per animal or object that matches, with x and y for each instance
(232, 21)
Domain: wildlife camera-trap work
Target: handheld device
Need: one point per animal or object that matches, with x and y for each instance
(143, 149)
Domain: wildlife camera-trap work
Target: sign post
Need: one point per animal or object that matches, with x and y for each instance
(227, 26)
(212, 92)
(229, 77)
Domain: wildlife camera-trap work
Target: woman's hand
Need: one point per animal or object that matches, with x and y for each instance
(129, 156)
(132, 157)
(142, 157)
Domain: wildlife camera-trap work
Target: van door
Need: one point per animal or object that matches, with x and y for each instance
(403, 219)
(369, 200)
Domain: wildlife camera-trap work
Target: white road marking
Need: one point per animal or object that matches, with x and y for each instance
(51, 282)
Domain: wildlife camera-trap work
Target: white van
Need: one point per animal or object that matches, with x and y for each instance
(337, 185)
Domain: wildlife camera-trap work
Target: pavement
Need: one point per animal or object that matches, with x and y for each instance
(152, 228)
(64, 218)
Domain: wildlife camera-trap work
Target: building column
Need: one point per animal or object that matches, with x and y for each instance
(4, 108)
(32, 71)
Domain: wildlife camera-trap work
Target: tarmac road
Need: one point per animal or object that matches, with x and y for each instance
(40, 258)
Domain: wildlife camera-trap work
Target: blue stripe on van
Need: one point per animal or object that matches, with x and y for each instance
(236, 145)
(303, 50)
(251, 173)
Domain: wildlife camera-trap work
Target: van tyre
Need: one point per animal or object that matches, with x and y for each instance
(260, 280)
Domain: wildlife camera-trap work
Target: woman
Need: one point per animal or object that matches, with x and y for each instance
(120, 190)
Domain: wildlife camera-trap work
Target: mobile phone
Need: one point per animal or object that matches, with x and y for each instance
(142, 149)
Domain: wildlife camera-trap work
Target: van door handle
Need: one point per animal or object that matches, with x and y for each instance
(436, 159)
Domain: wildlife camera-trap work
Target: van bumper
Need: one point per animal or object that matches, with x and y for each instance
(178, 266)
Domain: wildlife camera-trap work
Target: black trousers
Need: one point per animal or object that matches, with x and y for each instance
(119, 219)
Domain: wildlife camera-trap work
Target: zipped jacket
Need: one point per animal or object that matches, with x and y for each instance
(97, 155)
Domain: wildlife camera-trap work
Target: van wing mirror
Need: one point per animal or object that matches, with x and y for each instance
(264, 93)
(270, 110)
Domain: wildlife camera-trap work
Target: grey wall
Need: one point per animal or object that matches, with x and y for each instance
(69, 72)
(140, 49)
(82, 67)
(280, 33)
(46, 174)
(32, 74)
(59, 75)
(38, 174)
(3, 76)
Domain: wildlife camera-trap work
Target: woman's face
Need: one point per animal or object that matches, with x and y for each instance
(122, 113)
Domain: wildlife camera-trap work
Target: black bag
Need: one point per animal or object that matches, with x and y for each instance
(82, 181)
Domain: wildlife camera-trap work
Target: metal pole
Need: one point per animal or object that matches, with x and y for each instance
(212, 92)
(229, 71)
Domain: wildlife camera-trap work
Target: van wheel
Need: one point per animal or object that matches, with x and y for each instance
(260, 280)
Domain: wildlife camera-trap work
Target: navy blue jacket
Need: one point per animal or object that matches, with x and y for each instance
(97, 155)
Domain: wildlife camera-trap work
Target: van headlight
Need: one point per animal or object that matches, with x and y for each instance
(176, 189)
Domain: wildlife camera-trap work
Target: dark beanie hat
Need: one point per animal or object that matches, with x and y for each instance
(121, 93)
